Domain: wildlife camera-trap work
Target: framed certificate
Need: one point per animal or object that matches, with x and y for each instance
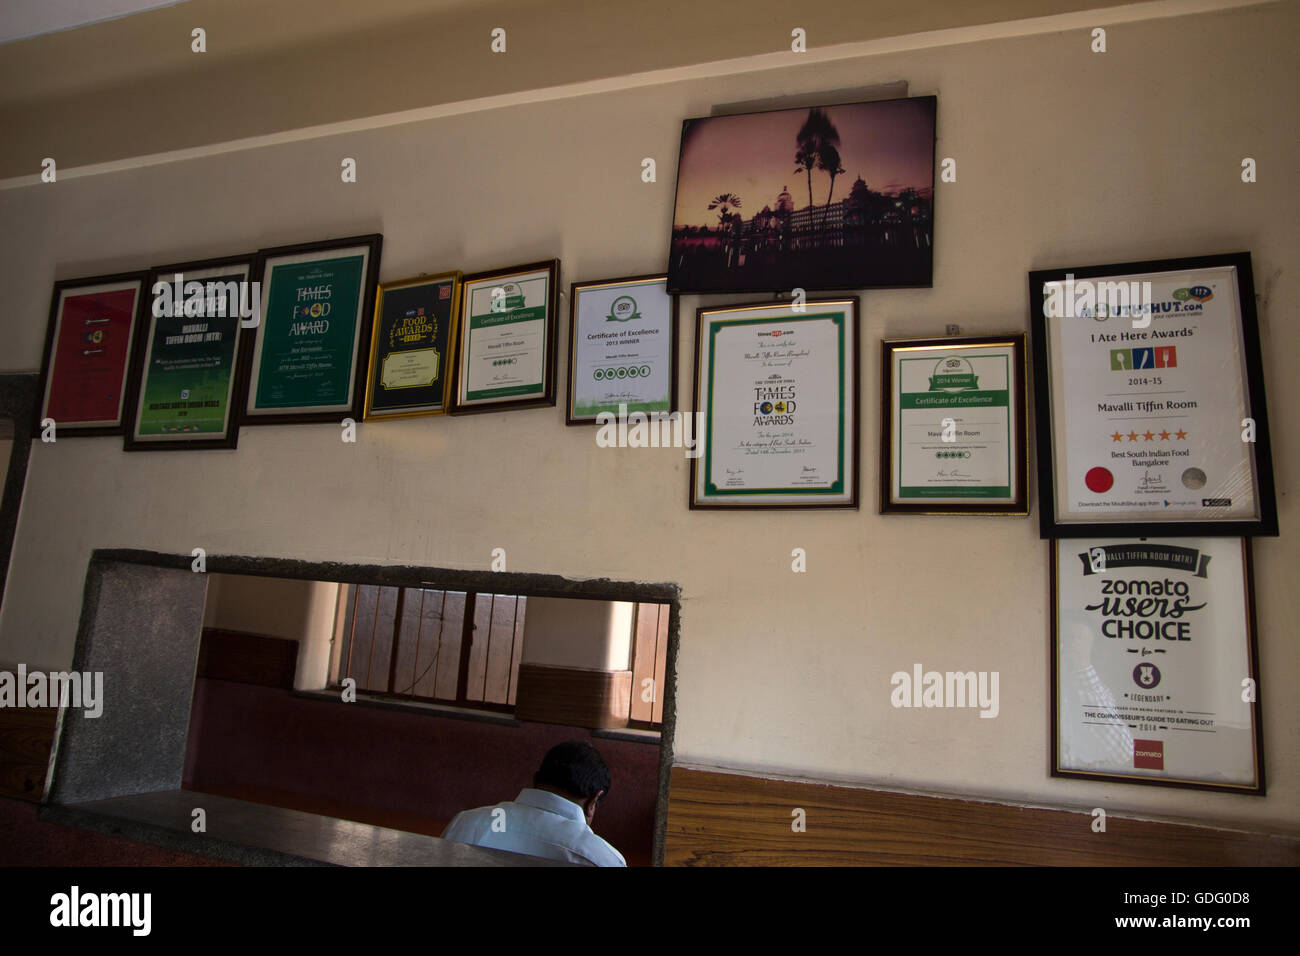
(188, 354)
(306, 361)
(506, 351)
(777, 387)
(622, 348)
(1154, 662)
(1150, 400)
(85, 374)
(410, 347)
(953, 434)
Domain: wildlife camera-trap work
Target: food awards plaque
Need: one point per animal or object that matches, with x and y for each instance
(1155, 664)
(953, 437)
(622, 348)
(1151, 406)
(410, 348)
(777, 386)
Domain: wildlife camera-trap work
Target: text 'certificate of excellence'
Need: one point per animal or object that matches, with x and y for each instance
(777, 388)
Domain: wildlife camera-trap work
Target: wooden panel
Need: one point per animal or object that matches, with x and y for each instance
(248, 658)
(26, 734)
(719, 819)
(564, 695)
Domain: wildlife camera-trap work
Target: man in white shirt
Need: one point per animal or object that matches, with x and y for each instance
(552, 818)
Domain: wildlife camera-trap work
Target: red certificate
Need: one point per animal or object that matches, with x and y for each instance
(88, 360)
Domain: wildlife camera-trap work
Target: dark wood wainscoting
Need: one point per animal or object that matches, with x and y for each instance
(722, 819)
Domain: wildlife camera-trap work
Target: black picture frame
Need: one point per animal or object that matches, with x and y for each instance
(360, 354)
(140, 371)
(451, 282)
(1266, 523)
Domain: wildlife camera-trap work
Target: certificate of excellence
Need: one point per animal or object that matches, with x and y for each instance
(1149, 393)
(505, 330)
(955, 431)
(1154, 654)
(776, 388)
(622, 348)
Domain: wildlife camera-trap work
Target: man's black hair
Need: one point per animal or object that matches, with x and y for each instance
(574, 767)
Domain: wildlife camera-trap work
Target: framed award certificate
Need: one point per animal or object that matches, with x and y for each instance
(1150, 400)
(777, 389)
(306, 361)
(187, 393)
(89, 343)
(622, 348)
(953, 434)
(506, 352)
(410, 347)
(1154, 662)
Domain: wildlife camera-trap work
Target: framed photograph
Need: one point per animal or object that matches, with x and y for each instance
(954, 425)
(306, 360)
(1154, 663)
(1150, 400)
(89, 342)
(622, 348)
(188, 355)
(506, 350)
(834, 197)
(777, 389)
(411, 346)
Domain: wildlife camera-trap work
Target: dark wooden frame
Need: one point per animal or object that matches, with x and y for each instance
(238, 384)
(369, 285)
(674, 396)
(1053, 638)
(855, 404)
(552, 266)
(1253, 391)
(129, 383)
(1017, 508)
(448, 370)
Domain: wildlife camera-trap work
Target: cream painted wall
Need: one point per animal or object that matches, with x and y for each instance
(589, 635)
(303, 611)
(1064, 157)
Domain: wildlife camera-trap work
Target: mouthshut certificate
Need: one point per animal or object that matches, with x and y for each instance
(777, 389)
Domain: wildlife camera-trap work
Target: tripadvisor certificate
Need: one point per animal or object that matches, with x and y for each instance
(505, 329)
(954, 431)
(777, 391)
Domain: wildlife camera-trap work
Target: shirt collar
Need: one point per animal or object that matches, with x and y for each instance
(553, 802)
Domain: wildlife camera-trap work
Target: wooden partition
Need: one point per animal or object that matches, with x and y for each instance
(722, 819)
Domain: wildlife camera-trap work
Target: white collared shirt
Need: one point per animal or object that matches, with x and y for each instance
(536, 822)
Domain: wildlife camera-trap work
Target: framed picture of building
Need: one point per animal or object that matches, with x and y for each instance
(306, 360)
(188, 395)
(776, 391)
(1150, 400)
(622, 348)
(507, 339)
(834, 197)
(86, 383)
(954, 423)
(411, 345)
(1154, 662)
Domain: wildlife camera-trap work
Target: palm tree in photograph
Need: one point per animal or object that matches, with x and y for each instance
(829, 161)
(816, 135)
(725, 202)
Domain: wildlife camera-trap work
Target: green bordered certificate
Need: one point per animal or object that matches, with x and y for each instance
(317, 304)
(507, 338)
(1155, 663)
(410, 371)
(622, 348)
(954, 429)
(776, 387)
(187, 391)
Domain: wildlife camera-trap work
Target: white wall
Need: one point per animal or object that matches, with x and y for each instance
(1064, 157)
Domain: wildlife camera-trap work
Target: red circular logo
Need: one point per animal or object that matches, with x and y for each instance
(1099, 479)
